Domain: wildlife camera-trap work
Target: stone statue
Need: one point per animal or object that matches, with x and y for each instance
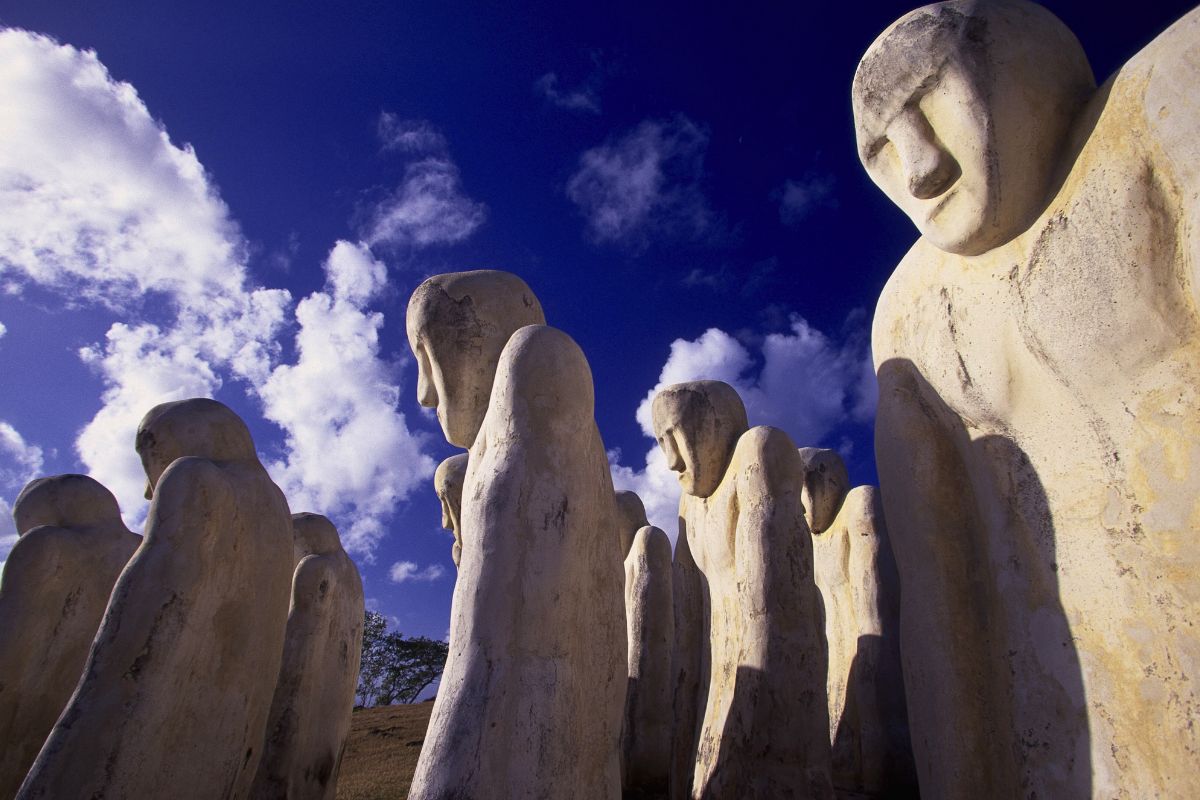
(72, 545)
(765, 726)
(860, 592)
(632, 515)
(531, 699)
(650, 621)
(174, 698)
(448, 483)
(310, 715)
(1038, 400)
(687, 666)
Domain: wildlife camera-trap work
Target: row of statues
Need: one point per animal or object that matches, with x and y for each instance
(217, 656)
(1021, 625)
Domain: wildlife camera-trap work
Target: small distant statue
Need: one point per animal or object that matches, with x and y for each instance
(1039, 402)
(650, 621)
(856, 576)
(448, 483)
(310, 715)
(531, 698)
(174, 698)
(72, 545)
(765, 726)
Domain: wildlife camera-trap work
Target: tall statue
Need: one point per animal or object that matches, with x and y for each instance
(1039, 402)
(650, 622)
(310, 714)
(856, 576)
(531, 699)
(688, 666)
(174, 698)
(765, 725)
(72, 545)
(448, 484)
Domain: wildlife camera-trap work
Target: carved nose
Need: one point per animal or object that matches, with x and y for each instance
(933, 175)
(928, 169)
(674, 459)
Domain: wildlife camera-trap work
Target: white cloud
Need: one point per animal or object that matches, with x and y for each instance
(3, 330)
(582, 98)
(800, 380)
(403, 571)
(797, 199)
(428, 208)
(20, 462)
(412, 136)
(646, 181)
(348, 451)
(354, 274)
(98, 202)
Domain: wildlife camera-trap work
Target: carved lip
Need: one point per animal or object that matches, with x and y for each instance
(942, 201)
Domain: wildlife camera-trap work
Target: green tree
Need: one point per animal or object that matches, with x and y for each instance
(395, 668)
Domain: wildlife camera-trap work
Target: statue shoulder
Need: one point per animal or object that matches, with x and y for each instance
(909, 281)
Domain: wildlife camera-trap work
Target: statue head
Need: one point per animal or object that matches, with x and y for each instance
(448, 482)
(197, 427)
(631, 516)
(457, 325)
(65, 501)
(313, 535)
(698, 425)
(962, 111)
(826, 483)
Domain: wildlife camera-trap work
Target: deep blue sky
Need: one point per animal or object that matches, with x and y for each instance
(762, 214)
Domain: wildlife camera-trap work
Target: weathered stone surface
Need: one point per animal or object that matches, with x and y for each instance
(1037, 433)
(174, 698)
(856, 575)
(53, 593)
(632, 515)
(650, 620)
(687, 663)
(310, 714)
(765, 726)
(448, 482)
(531, 699)
(457, 325)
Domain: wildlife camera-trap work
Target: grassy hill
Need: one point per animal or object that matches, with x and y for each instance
(381, 754)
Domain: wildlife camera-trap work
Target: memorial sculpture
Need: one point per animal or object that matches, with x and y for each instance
(687, 666)
(448, 484)
(72, 545)
(860, 593)
(533, 690)
(650, 622)
(1036, 436)
(174, 698)
(310, 714)
(765, 725)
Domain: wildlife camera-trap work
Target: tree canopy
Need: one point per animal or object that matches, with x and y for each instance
(396, 668)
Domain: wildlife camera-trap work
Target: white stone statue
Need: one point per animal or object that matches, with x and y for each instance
(856, 575)
(173, 701)
(650, 621)
(765, 726)
(531, 699)
(310, 715)
(687, 666)
(448, 483)
(72, 545)
(1039, 403)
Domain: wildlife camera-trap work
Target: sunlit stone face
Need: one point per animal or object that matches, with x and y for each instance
(962, 111)
(457, 325)
(697, 425)
(825, 485)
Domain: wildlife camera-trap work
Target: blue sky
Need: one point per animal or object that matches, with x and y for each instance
(237, 199)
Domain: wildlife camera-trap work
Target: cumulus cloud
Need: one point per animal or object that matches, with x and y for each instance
(348, 451)
(428, 208)
(411, 136)
(581, 98)
(797, 199)
(799, 380)
(3, 330)
(403, 571)
(644, 182)
(98, 202)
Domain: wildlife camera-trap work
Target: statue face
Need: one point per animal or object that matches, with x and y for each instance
(962, 111)
(826, 483)
(698, 425)
(445, 383)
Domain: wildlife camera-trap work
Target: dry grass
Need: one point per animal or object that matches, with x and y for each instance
(381, 754)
